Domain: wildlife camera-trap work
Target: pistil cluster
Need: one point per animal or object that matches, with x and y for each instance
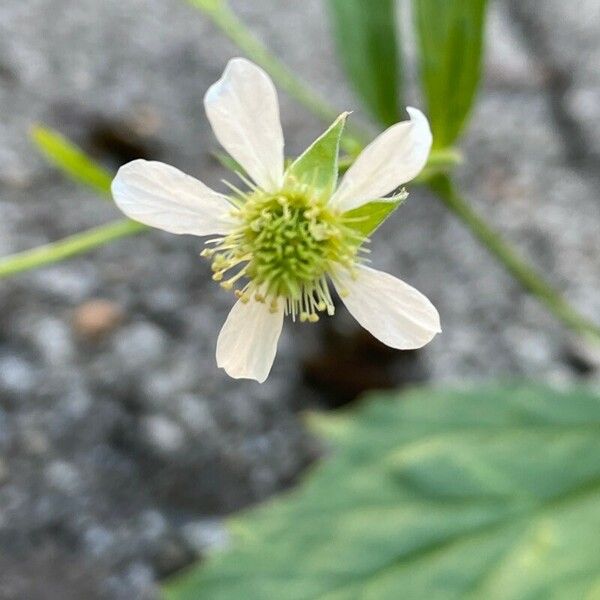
(284, 248)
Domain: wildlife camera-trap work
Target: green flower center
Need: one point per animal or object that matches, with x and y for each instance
(285, 247)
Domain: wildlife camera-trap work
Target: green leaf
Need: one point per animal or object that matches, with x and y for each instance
(318, 164)
(450, 40)
(70, 159)
(366, 36)
(367, 218)
(484, 494)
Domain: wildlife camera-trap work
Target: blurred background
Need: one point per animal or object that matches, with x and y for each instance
(122, 446)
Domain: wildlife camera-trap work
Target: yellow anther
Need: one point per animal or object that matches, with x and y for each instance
(217, 276)
(313, 318)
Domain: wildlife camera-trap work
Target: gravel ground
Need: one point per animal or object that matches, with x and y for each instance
(121, 443)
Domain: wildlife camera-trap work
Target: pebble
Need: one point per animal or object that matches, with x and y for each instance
(18, 376)
(63, 476)
(163, 434)
(140, 346)
(97, 318)
(206, 535)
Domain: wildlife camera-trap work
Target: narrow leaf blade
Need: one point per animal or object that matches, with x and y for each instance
(70, 159)
(367, 43)
(450, 43)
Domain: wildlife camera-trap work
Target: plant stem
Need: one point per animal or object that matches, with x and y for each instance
(68, 247)
(227, 21)
(526, 275)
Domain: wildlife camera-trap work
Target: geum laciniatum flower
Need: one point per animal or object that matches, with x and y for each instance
(280, 244)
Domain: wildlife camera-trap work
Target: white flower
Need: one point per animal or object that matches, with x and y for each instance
(279, 244)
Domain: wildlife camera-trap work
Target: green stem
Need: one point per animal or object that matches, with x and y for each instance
(526, 275)
(68, 247)
(227, 21)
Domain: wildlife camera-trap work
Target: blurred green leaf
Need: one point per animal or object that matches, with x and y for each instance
(318, 164)
(70, 159)
(367, 218)
(450, 40)
(430, 495)
(366, 36)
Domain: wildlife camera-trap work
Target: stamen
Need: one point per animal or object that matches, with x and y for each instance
(287, 245)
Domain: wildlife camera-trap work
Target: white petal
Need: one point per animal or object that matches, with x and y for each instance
(391, 159)
(248, 340)
(243, 110)
(391, 310)
(162, 196)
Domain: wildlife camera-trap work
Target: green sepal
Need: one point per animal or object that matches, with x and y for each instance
(70, 159)
(367, 218)
(317, 166)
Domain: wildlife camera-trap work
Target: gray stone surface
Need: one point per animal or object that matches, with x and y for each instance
(119, 456)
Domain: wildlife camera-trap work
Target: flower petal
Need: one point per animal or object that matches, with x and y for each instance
(391, 310)
(247, 343)
(391, 159)
(161, 196)
(243, 110)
